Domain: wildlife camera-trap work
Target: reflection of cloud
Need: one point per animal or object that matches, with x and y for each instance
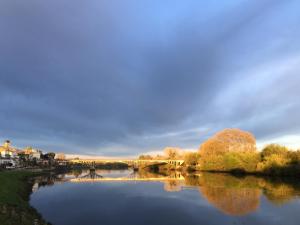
(232, 201)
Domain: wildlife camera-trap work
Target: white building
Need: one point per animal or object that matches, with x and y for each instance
(60, 156)
(35, 154)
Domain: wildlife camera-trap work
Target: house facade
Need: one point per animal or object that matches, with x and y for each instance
(33, 153)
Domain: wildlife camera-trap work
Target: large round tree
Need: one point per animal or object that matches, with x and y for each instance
(229, 149)
(229, 140)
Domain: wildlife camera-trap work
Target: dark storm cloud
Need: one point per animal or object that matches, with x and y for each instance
(122, 77)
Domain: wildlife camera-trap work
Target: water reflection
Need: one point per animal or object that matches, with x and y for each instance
(231, 195)
(280, 192)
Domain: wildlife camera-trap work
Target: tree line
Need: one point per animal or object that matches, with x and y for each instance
(234, 150)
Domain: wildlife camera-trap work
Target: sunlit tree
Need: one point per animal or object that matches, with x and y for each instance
(173, 153)
(272, 149)
(230, 149)
(145, 157)
(229, 140)
(191, 158)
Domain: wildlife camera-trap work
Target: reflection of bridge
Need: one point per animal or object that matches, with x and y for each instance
(132, 163)
(111, 179)
(130, 177)
(92, 175)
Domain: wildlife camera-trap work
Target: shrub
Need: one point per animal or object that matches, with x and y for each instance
(274, 149)
(294, 157)
(191, 158)
(212, 162)
(231, 161)
(273, 164)
(246, 162)
(278, 160)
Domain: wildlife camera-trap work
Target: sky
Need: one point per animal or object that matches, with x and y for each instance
(123, 77)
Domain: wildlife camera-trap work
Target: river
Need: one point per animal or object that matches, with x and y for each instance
(131, 198)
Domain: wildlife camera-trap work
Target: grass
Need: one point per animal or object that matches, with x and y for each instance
(12, 188)
(15, 190)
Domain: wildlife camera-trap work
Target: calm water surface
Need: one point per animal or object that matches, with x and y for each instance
(124, 197)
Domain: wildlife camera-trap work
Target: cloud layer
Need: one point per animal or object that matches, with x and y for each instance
(123, 77)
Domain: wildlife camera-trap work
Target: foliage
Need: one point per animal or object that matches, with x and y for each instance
(274, 149)
(273, 160)
(278, 160)
(159, 157)
(213, 162)
(294, 157)
(241, 162)
(145, 157)
(234, 150)
(49, 156)
(173, 153)
(230, 150)
(191, 158)
(23, 157)
(231, 161)
(228, 140)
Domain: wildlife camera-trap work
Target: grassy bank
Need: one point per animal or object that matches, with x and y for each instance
(15, 189)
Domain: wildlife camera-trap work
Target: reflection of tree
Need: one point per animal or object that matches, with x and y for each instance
(192, 180)
(233, 196)
(48, 180)
(77, 173)
(232, 201)
(148, 174)
(172, 186)
(240, 195)
(279, 192)
(163, 174)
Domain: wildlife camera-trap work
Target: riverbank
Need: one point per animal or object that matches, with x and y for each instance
(15, 189)
(292, 171)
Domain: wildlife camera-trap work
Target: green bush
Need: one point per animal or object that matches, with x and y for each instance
(231, 161)
(191, 158)
(278, 160)
(274, 149)
(212, 163)
(246, 162)
(274, 159)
